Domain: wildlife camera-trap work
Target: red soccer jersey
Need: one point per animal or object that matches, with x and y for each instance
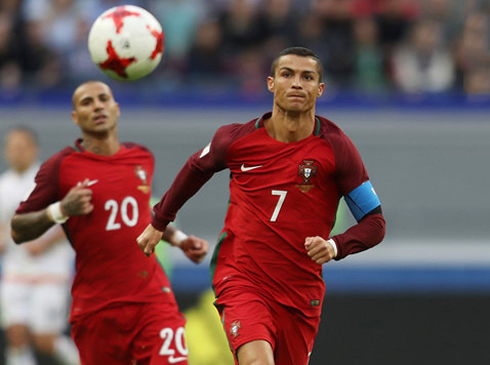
(280, 193)
(110, 267)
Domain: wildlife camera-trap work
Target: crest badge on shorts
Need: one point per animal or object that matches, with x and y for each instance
(235, 326)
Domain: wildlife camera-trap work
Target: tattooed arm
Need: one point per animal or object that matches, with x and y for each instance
(29, 226)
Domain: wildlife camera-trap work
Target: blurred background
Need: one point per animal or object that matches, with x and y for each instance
(407, 80)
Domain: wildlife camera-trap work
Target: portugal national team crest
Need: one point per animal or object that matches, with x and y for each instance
(235, 327)
(307, 171)
(144, 187)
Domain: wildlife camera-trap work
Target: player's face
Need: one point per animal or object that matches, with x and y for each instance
(21, 151)
(296, 84)
(95, 110)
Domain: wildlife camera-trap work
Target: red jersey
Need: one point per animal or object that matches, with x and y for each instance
(110, 267)
(280, 193)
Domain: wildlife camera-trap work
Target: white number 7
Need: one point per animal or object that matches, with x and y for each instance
(282, 196)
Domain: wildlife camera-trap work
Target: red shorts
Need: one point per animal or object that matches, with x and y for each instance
(248, 316)
(143, 334)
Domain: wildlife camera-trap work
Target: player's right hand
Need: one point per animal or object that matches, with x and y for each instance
(319, 249)
(78, 201)
(149, 239)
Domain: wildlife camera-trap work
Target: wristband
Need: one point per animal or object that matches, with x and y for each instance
(334, 245)
(54, 213)
(178, 237)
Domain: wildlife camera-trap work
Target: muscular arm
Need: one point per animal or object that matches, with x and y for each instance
(29, 226)
(198, 169)
(186, 184)
(53, 237)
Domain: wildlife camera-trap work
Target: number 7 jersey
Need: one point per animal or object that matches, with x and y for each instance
(110, 267)
(280, 194)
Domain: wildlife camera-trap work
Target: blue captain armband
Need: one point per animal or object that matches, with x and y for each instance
(362, 200)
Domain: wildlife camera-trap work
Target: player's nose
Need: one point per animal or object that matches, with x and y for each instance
(297, 82)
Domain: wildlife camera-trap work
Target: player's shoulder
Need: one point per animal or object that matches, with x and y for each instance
(52, 165)
(136, 146)
(237, 129)
(331, 132)
(229, 133)
(60, 155)
(327, 127)
(136, 150)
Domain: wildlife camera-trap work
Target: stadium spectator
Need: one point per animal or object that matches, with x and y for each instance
(474, 54)
(50, 37)
(239, 25)
(369, 63)
(180, 20)
(206, 62)
(10, 72)
(338, 41)
(277, 22)
(422, 64)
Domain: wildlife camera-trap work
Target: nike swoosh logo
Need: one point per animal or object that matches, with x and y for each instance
(173, 360)
(244, 169)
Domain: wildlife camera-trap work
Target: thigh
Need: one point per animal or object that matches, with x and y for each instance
(246, 317)
(254, 352)
(104, 337)
(14, 299)
(161, 340)
(49, 308)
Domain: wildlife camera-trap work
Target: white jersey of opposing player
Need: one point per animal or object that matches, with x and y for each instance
(55, 264)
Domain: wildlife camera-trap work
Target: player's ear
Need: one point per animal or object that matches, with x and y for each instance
(321, 88)
(74, 117)
(270, 83)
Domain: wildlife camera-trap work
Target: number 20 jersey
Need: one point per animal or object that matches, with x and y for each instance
(110, 267)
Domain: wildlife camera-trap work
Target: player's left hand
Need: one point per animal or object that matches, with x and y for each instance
(149, 239)
(319, 250)
(195, 248)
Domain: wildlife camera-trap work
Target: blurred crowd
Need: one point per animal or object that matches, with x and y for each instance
(413, 46)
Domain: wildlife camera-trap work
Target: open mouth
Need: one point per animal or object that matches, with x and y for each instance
(100, 119)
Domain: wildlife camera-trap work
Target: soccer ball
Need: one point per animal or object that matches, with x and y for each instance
(126, 42)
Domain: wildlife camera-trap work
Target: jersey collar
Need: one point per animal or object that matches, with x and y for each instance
(260, 123)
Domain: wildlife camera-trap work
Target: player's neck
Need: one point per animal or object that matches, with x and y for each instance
(107, 145)
(290, 127)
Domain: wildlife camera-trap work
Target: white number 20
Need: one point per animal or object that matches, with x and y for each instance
(128, 203)
(167, 334)
(282, 195)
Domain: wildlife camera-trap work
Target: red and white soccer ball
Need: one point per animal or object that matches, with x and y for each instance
(126, 42)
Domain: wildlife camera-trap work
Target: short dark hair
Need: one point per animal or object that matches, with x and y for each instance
(26, 130)
(298, 51)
